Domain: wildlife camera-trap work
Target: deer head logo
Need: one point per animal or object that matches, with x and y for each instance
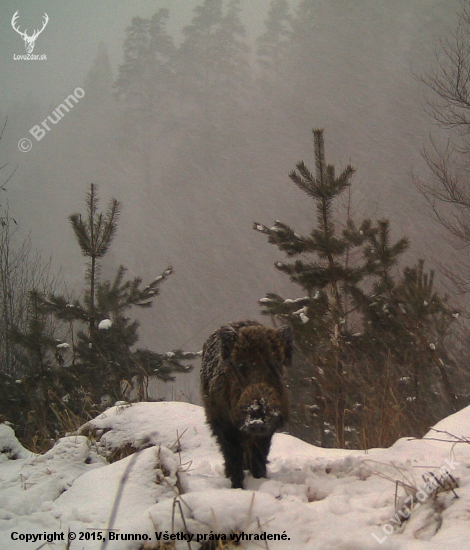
(28, 40)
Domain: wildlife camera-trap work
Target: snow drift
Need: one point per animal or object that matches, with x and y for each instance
(146, 471)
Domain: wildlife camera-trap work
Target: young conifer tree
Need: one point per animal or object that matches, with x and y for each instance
(318, 318)
(37, 399)
(347, 276)
(104, 358)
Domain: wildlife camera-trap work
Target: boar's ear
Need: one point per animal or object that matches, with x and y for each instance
(228, 337)
(285, 333)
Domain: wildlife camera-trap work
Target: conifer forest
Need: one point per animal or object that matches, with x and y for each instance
(193, 164)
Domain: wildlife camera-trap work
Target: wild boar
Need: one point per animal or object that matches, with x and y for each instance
(244, 392)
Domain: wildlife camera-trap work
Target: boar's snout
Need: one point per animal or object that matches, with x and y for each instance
(259, 420)
(260, 415)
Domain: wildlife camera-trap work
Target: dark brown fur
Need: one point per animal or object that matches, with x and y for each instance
(244, 392)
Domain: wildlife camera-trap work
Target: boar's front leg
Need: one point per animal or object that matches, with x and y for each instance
(259, 450)
(231, 444)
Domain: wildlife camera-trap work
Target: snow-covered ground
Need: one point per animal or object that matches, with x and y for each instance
(314, 498)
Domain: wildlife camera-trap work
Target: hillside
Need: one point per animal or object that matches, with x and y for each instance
(314, 498)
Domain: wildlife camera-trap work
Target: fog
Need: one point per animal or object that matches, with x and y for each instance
(198, 145)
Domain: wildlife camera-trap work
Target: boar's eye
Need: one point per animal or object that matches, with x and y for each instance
(242, 367)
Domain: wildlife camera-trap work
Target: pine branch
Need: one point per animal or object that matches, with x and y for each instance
(285, 238)
(344, 179)
(304, 184)
(147, 295)
(63, 309)
(108, 228)
(80, 230)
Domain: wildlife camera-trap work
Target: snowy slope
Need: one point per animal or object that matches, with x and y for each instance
(314, 498)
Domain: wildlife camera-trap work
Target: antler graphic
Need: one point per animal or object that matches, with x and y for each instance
(28, 40)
